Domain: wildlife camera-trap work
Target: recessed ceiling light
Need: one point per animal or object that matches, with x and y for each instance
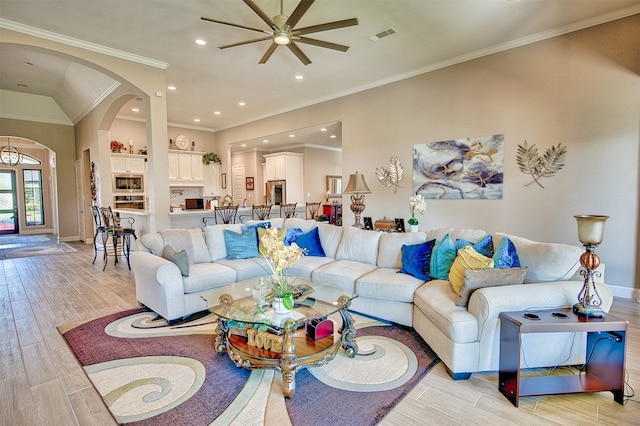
(265, 141)
(135, 109)
(243, 145)
(171, 87)
(197, 120)
(242, 103)
(201, 42)
(323, 129)
(217, 113)
(299, 77)
(332, 136)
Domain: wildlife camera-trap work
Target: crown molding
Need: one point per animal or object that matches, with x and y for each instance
(70, 41)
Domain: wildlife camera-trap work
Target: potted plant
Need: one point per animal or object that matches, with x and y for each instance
(116, 146)
(279, 258)
(416, 203)
(210, 157)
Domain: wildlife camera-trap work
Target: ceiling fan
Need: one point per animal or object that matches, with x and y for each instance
(283, 31)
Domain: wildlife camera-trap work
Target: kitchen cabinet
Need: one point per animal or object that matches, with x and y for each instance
(212, 180)
(186, 169)
(128, 163)
(287, 166)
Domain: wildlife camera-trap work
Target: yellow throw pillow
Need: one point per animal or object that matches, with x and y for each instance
(261, 231)
(467, 258)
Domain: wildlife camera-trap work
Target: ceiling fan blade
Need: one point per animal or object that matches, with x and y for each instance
(296, 51)
(245, 42)
(234, 25)
(261, 14)
(268, 53)
(321, 43)
(302, 8)
(328, 26)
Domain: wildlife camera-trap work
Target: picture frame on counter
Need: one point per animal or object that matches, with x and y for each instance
(249, 183)
(223, 180)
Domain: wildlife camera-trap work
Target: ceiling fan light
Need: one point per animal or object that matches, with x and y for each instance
(281, 37)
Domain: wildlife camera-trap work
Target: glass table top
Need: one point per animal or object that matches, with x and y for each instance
(236, 303)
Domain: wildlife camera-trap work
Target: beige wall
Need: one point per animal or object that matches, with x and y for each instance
(581, 90)
(61, 140)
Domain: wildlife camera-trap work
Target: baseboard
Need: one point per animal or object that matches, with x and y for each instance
(71, 238)
(625, 292)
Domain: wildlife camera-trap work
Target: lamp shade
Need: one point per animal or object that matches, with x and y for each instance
(357, 185)
(591, 228)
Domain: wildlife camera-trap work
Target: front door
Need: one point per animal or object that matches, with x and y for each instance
(8, 203)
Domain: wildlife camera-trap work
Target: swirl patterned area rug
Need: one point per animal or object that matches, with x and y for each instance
(149, 373)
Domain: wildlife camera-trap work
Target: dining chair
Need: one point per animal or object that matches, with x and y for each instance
(288, 210)
(261, 212)
(115, 229)
(227, 214)
(312, 210)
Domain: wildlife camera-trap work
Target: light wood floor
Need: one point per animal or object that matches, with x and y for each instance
(42, 383)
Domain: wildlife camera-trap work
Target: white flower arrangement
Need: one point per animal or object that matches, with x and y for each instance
(416, 203)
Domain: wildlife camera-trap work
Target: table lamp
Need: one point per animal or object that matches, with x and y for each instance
(357, 187)
(590, 234)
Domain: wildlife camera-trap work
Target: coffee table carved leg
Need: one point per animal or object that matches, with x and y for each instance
(220, 344)
(289, 362)
(348, 331)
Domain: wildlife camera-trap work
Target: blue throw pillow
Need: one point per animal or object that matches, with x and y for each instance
(484, 246)
(311, 242)
(506, 255)
(442, 257)
(292, 235)
(241, 246)
(416, 260)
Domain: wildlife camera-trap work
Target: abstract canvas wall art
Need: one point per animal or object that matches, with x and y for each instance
(469, 168)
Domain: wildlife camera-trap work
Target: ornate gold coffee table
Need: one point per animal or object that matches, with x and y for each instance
(239, 317)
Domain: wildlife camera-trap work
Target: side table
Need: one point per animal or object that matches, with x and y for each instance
(606, 345)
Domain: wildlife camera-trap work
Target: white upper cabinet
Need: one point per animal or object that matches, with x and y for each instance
(128, 163)
(212, 180)
(186, 169)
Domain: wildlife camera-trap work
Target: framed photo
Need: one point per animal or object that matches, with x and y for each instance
(368, 224)
(249, 183)
(223, 180)
(399, 225)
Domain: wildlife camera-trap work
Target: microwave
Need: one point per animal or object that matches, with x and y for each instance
(194, 204)
(128, 182)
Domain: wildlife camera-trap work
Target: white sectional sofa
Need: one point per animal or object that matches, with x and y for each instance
(367, 262)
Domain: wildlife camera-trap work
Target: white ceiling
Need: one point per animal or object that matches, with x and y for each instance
(430, 34)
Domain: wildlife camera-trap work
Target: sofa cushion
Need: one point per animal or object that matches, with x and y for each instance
(330, 237)
(247, 268)
(437, 301)
(506, 255)
(442, 257)
(311, 243)
(305, 266)
(153, 242)
(476, 279)
(214, 236)
(467, 258)
(305, 224)
(342, 273)
(205, 276)
(471, 235)
(545, 261)
(190, 240)
(277, 222)
(416, 260)
(181, 259)
(359, 245)
(387, 284)
(241, 246)
(390, 247)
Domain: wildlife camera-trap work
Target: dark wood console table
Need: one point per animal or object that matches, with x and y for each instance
(606, 345)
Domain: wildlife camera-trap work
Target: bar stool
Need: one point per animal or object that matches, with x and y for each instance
(115, 230)
(99, 230)
(288, 210)
(227, 214)
(261, 212)
(312, 210)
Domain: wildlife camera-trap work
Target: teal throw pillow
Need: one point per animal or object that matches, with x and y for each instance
(241, 246)
(416, 260)
(442, 257)
(484, 246)
(180, 258)
(255, 226)
(311, 242)
(506, 255)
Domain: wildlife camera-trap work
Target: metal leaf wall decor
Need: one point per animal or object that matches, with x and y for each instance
(540, 166)
(391, 176)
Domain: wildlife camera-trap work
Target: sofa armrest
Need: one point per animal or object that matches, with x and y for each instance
(159, 284)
